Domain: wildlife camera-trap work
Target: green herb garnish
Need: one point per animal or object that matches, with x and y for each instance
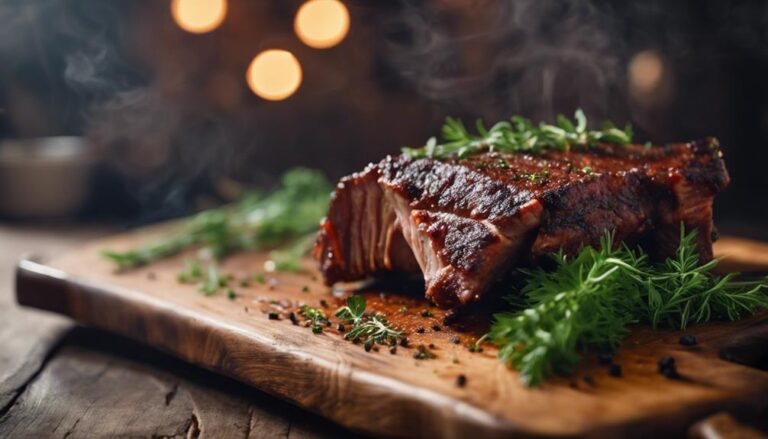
(259, 221)
(288, 258)
(518, 135)
(422, 353)
(354, 311)
(316, 317)
(368, 328)
(212, 281)
(192, 272)
(589, 300)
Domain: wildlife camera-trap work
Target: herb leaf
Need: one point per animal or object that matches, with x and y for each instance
(368, 328)
(517, 135)
(212, 281)
(589, 300)
(374, 329)
(259, 221)
(316, 317)
(354, 311)
(192, 272)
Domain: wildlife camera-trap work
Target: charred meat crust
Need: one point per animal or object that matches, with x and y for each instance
(446, 187)
(465, 224)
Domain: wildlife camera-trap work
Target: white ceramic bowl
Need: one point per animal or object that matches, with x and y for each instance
(45, 177)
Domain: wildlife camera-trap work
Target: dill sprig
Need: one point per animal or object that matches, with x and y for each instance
(259, 221)
(680, 291)
(518, 134)
(369, 328)
(589, 300)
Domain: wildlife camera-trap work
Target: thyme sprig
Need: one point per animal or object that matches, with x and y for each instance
(260, 221)
(518, 134)
(368, 328)
(209, 279)
(589, 300)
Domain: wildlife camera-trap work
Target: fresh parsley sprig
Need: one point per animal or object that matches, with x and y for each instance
(368, 328)
(518, 135)
(589, 300)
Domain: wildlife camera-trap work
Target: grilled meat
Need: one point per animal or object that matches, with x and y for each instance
(465, 224)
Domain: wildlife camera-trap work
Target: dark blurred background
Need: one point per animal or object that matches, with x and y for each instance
(158, 91)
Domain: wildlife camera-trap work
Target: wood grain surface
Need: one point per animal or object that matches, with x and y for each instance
(61, 380)
(396, 394)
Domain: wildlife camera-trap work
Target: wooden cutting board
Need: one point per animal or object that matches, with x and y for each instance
(393, 393)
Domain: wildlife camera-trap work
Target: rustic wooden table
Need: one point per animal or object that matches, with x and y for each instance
(61, 380)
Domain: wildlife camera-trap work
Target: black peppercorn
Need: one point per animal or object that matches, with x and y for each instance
(420, 329)
(605, 358)
(340, 328)
(368, 345)
(273, 315)
(436, 328)
(393, 350)
(688, 340)
(292, 318)
(404, 342)
(615, 370)
(461, 380)
(666, 363)
(668, 367)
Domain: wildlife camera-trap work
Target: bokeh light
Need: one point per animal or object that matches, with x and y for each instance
(322, 23)
(646, 71)
(274, 74)
(199, 16)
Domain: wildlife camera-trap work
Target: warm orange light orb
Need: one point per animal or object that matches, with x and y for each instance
(199, 16)
(274, 74)
(322, 23)
(646, 71)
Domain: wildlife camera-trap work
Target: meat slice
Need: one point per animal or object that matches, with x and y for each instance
(465, 224)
